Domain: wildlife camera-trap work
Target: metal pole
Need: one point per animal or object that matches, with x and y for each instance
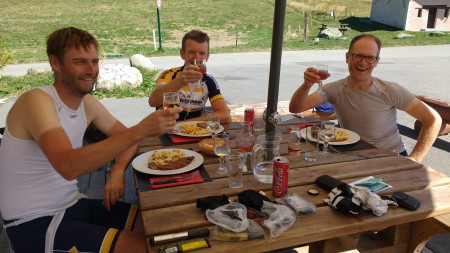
(159, 29)
(275, 61)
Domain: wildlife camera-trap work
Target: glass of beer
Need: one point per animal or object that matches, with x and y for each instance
(170, 100)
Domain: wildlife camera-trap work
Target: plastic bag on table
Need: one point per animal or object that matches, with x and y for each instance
(254, 231)
(231, 216)
(281, 218)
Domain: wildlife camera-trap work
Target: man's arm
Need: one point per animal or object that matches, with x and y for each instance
(190, 74)
(34, 117)
(431, 123)
(300, 100)
(107, 124)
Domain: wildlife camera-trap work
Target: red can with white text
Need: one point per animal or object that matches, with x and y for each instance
(280, 176)
(249, 116)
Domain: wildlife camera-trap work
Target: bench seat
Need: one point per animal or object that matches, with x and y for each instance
(442, 107)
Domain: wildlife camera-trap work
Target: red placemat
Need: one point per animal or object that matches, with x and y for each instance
(302, 125)
(182, 139)
(196, 179)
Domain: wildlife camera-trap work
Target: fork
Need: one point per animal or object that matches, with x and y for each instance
(177, 178)
(346, 153)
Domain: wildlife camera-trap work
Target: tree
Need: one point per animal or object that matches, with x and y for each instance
(5, 57)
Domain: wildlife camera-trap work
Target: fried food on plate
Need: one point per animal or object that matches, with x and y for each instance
(340, 135)
(194, 129)
(169, 160)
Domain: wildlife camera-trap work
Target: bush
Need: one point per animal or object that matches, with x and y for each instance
(5, 57)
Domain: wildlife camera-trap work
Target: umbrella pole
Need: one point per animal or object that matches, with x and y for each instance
(275, 61)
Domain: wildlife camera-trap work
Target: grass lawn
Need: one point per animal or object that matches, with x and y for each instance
(126, 27)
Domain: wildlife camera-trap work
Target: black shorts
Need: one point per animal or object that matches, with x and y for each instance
(85, 227)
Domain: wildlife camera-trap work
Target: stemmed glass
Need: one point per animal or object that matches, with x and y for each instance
(323, 73)
(171, 99)
(326, 133)
(221, 149)
(201, 64)
(213, 122)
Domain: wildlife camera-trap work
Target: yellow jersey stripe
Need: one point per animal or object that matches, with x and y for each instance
(108, 240)
(131, 217)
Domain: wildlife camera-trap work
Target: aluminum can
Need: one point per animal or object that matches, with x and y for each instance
(280, 176)
(249, 116)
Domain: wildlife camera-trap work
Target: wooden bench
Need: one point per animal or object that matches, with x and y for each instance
(323, 27)
(342, 30)
(442, 107)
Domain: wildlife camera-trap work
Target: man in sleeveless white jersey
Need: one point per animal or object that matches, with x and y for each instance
(368, 105)
(41, 156)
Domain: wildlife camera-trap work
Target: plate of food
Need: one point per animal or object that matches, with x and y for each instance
(342, 136)
(195, 129)
(167, 161)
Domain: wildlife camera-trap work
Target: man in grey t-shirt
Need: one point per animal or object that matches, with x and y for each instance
(368, 105)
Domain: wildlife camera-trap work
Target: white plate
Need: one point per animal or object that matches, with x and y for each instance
(140, 163)
(352, 137)
(177, 130)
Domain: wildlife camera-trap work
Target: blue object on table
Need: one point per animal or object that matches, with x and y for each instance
(325, 107)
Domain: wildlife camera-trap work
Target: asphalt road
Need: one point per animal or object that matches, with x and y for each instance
(243, 78)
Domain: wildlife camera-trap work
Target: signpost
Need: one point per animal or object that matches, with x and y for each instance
(158, 7)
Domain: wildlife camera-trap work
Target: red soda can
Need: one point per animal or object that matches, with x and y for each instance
(249, 116)
(280, 176)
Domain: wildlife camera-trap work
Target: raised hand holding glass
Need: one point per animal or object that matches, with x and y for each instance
(323, 73)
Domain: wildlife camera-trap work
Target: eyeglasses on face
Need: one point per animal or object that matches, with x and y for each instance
(359, 57)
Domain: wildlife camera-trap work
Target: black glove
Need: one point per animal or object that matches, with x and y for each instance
(212, 202)
(252, 199)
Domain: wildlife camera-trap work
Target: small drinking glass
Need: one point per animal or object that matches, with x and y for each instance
(171, 99)
(260, 123)
(294, 144)
(235, 163)
(323, 73)
(311, 135)
(221, 149)
(326, 133)
(213, 121)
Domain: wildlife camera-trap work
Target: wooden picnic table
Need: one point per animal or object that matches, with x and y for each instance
(171, 210)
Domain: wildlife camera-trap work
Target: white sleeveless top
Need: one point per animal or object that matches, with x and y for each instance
(29, 185)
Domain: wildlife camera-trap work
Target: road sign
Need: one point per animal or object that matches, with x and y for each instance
(158, 4)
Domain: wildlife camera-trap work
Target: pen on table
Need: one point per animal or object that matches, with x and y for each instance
(203, 232)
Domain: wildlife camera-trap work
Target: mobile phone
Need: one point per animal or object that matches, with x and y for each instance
(406, 201)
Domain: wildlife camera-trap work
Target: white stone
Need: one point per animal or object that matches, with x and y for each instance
(33, 71)
(331, 32)
(138, 60)
(403, 35)
(118, 75)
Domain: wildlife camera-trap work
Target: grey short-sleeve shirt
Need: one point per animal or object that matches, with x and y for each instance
(371, 113)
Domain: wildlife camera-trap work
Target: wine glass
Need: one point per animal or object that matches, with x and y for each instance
(202, 66)
(170, 100)
(213, 122)
(221, 149)
(323, 73)
(326, 133)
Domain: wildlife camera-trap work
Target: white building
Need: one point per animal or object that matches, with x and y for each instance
(412, 15)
